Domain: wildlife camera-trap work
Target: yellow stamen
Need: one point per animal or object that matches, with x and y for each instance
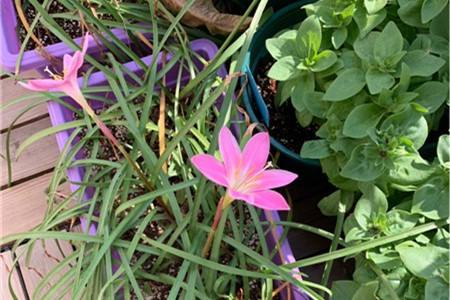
(243, 182)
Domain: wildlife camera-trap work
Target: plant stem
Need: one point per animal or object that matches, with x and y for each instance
(384, 279)
(79, 98)
(368, 245)
(224, 202)
(342, 207)
(308, 228)
(215, 223)
(162, 118)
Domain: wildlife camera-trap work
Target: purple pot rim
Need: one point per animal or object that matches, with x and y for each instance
(10, 43)
(75, 174)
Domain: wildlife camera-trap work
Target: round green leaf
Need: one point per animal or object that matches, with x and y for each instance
(315, 105)
(410, 12)
(284, 69)
(316, 149)
(408, 123)
(378, 81)
(304, 85)
(347, 84)
(436, 289)
(344, 289)
(339, 36)
(367, 291)
(399, 221)
(443, 149)
(324, 60)
(389, 42)
(432, 199)
(423, 262)
(329, 205)
(309, 36)
(431, 8)
(280, 47)
(365, 164)
(373, 6)
(367, 22)
(364, 47)
(432, 94)
(439, 26)
(304, 117)
(372, 203)
(410, 170)
(422, 63)
(361, 119)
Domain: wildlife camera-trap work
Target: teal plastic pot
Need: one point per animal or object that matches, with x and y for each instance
(255, 105)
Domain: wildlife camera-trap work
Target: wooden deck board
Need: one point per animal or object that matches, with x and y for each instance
(44, 257)
(6, 262)
(10, 91)
(39, 157)
(22, 207)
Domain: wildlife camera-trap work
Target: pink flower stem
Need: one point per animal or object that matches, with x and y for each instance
(223, 204)
(79, 98)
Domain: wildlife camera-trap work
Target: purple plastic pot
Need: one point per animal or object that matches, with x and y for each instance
(60, 114)
(10, 43)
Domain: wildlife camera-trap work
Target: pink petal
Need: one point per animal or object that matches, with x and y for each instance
(229, 150)
(67, 59)
(73, 63)
(72, 89)
(270, 179)
(85, 44)
(211, 168)
(269, 200)
(256, 152)
(78, 57)
(235, 194)
(77, 61)
(43, 85)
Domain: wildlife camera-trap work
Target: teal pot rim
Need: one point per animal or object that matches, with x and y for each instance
(251, 92)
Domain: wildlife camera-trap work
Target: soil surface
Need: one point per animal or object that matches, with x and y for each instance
(283, 124)
(71, 27)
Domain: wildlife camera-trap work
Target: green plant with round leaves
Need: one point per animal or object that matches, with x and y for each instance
(376, 104)
(298, 58)
(412, 269)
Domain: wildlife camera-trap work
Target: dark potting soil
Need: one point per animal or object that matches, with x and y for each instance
(71, 27)
(283, 124)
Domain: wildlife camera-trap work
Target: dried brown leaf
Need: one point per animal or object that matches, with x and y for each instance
(203, 12)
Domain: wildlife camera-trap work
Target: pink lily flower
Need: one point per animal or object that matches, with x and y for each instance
(244, 173)
(67, 83)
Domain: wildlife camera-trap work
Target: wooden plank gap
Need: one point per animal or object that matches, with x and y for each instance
(6, 266)
(24, 123)
(23, 207)
(38, 157)
(9, 91)
(45, 256)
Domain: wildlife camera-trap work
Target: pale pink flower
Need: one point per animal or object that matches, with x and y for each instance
(244, 173)
(67, 83)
